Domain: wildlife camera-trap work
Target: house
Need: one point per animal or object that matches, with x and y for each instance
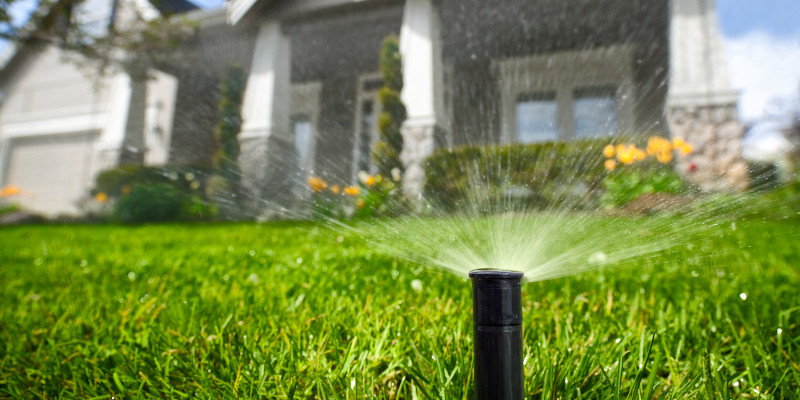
(513, 71)
(60, 126)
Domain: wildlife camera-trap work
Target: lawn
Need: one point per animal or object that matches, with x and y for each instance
(296, 311)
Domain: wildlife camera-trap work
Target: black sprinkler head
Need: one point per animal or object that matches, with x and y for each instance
(497, 316)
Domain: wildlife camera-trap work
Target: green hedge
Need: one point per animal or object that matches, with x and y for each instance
(156, 194)
(513, 177)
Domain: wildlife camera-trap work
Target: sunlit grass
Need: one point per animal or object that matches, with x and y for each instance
(299, 311)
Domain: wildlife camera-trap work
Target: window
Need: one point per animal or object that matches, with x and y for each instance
(537, 117)
(365, 129)
(303, 132)
(595, 112)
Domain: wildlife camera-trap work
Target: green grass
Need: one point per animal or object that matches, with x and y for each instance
(287, 311)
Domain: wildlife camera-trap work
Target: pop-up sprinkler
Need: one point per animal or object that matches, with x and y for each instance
(497, 314)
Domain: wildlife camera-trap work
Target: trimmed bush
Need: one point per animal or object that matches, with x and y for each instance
(134, 190)
(504, 178)
(156, 202)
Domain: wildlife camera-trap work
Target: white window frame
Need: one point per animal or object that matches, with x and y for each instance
(564, 73)
(305, 101)
(361, 96)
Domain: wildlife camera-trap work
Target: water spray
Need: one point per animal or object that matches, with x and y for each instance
(497, 316)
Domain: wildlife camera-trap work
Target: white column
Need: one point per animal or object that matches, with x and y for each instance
(265, 108)
(701, 107)
(422, 90)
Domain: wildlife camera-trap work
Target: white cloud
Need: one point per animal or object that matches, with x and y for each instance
(763, 67)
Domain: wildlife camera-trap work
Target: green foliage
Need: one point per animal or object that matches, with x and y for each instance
(627, 182)
(386, 152)
(187, 185)
(155, 202)
(8, 208)
(225, 187)
(299, 311)
(542, 175)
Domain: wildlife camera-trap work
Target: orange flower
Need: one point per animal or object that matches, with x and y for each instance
(101, 197)
(611, 164)
(335, 189)
(351, 190)
(370, 180)
(609, 150)
(9, 191)
(664, 157)
(686, 148)
(317, 184)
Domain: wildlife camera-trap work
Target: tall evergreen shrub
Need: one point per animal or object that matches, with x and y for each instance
(227, 175)
(386, 152)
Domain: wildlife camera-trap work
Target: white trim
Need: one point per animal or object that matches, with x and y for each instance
(236, 9)
(563, 73)
(361, 96)
(65, 125)
(208, 18)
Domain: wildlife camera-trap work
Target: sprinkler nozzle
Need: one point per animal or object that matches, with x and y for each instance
(497, 316)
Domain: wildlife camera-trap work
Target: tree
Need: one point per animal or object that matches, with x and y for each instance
(386, 152)
(132, 39)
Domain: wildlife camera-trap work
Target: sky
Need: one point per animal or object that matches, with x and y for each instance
(762, 43)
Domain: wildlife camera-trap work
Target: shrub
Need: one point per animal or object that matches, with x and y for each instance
(226, 189)
(187, 187)
(386, 152)
(634, 172)
(155, 202)
(512, 177)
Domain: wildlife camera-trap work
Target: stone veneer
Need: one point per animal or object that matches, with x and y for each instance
(418, 144)
(716, 135)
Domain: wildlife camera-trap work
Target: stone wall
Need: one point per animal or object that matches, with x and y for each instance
(716, 135)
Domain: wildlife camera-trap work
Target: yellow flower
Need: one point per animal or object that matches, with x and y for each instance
(678, 142)
(351, 190)
(611, 164)
(609, 151)
(335, 189)
(360, 203)
(686, 148)
(101, 197)
(370, 180)
(664, 157)
(317, 184)
(9, 191)
(657, 144)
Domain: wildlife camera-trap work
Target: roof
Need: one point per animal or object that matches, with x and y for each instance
(167, 7)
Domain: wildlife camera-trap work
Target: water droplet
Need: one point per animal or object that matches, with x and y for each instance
(713, 328)
(780, 331)
(299, 260)
(695, 274)
(416, 284)
(340, 239)
(736, 383)
(252, 253)
(743, 296)
(253, 278)
(618, 340)
(353, 383)
(225, 278)
(84, 263)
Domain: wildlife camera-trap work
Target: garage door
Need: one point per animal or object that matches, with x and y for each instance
(53, 172)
